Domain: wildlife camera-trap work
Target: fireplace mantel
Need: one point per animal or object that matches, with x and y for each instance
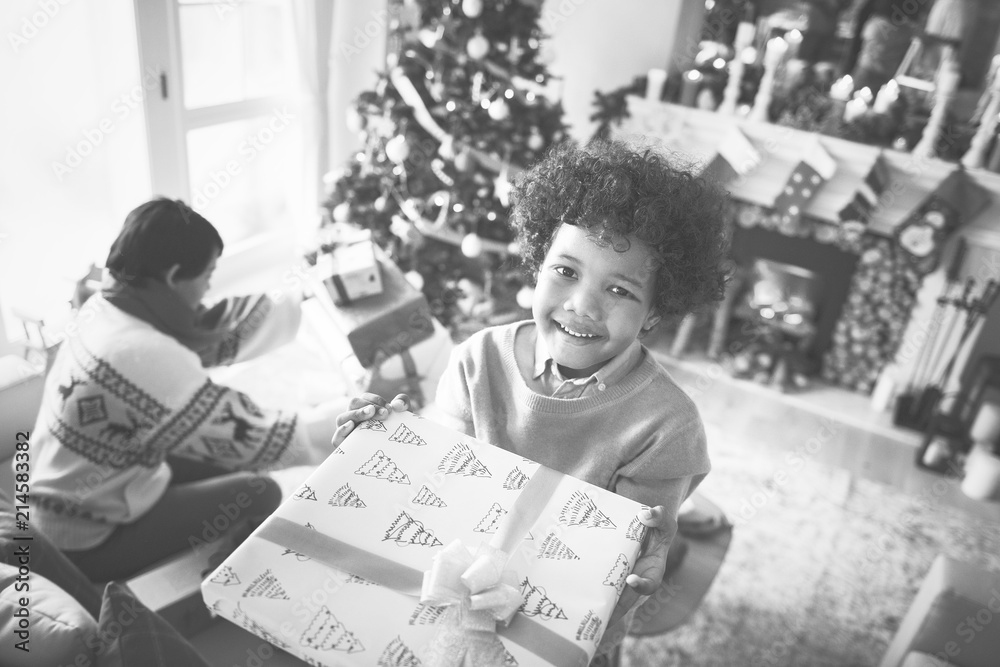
(697, 133)
(910, 180)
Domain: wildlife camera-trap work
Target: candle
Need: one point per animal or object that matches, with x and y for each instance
(795, 73)
(865, 94)
(854, 109)
(655, 80)
(745, 32)
(841, 89)
(986, 428)
(794, 39)
(775, 52)
(887, 96)
(773, 55)
(689, 87)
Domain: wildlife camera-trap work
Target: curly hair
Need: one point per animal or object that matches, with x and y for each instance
(619, 192)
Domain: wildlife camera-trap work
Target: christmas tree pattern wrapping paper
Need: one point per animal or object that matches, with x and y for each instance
(334, 575)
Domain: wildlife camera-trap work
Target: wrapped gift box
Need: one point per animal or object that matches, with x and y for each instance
(381, 326)
(349, 271)
(415, 371)
(334, 575)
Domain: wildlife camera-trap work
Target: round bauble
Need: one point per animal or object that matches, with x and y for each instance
(472, 246)
(472, 8)
(498, 110)
(415, 279)
(428, 37)
(478, 46)
(536, 141)
(381, 203)
(397, 150)
(525, 296)
(341, 212)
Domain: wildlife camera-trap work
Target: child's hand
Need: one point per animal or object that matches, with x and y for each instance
(647, 575)
(363, 408)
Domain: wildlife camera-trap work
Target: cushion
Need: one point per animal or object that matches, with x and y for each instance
(47, 561)
(60, 630)
(947, 633)
(130, 634)
(921, 659)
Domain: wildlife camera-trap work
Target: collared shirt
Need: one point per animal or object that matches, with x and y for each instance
(551, 381)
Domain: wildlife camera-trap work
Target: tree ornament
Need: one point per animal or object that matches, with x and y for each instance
(525, 297)
(472, 8)
(415, 279)
(436, 89)
(499, 110)
(354, 120)
(536, 141)
(472, 246)
(502, 186)
(381, 203)
(429, 37)
(478, 46)
(447, 148)
(463, 161)
(397, 149)
(341, 212)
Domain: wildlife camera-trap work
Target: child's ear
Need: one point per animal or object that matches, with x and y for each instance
(170, 275)
(651, 321)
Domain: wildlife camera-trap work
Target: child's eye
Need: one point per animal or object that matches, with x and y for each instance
(620, 291)
(565, 271)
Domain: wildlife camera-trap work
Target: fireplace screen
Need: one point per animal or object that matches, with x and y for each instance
(785, 295)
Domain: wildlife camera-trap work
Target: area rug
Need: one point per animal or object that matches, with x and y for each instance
(821, 568)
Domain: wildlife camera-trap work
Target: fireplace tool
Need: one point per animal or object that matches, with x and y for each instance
(908, 405)
(944, 421)
(962, 306)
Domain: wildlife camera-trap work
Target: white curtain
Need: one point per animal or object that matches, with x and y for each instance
(313, 33)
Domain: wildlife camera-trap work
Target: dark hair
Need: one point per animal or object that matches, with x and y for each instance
(616, 191)
(158, 234)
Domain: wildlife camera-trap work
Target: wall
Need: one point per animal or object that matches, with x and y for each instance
(357, 53)
(604, 45)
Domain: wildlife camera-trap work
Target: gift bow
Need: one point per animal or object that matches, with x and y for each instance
(479, 593)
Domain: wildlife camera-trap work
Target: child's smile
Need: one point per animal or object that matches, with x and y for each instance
(592, 301)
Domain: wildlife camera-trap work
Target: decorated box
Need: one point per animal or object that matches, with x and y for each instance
(414, 371)
(381, 326)
(335, 575)
(349, 270)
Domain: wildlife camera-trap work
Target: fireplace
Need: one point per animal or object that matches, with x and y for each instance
(806, 280)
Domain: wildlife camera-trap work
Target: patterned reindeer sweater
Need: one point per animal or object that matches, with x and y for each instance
(121, 396)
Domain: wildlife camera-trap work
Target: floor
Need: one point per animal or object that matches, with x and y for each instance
(830, 425)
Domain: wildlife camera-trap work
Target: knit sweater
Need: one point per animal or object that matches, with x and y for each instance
(641, 437)
(121, 396)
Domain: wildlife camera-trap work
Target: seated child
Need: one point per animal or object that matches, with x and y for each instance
(136, 453)
(617, 239)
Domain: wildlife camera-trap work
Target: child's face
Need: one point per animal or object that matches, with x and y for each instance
(592, 301)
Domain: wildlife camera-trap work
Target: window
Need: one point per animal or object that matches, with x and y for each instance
(230, 125)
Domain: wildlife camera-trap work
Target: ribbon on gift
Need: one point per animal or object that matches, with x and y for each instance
(479, 592)
(332, 552)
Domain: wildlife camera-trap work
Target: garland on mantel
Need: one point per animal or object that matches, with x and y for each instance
(882, 293)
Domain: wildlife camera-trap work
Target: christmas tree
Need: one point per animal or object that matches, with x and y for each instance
(464, 104)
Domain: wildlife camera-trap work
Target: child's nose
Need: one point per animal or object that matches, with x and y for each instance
(583, 302)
